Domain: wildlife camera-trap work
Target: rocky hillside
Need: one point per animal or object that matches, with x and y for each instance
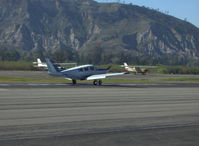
(91, 32)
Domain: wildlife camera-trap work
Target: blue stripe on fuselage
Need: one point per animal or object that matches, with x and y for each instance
(82, 75)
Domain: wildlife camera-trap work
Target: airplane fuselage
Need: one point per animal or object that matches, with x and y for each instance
(80, 73)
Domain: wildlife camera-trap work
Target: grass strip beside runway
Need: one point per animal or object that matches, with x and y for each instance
(181, 79)
(13, 79)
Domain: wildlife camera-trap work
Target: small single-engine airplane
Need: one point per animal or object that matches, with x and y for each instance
(136, 69)
(83, 72)
(60, 66)
(40, 64)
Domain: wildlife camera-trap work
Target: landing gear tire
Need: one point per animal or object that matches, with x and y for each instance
(100, 82)
(74, 82)
(97, 82)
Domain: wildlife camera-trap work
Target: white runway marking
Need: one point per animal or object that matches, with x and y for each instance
(147, 84)
(3, 89)
(20, 85)
(4, 84)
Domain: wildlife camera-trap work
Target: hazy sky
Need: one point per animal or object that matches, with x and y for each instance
(179, 8)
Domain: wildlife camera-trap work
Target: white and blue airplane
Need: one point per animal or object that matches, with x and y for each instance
(83, 72)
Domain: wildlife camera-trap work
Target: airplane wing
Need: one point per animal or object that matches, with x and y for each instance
(103, 76)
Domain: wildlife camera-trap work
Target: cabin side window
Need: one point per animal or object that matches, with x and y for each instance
(92, 68)
(80, 70)
(86, 68)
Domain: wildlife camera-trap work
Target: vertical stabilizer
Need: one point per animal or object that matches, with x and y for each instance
(51, 68)
(126, 65)
(39, 61)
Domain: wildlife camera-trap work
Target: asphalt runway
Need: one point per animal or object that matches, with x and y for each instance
(104, 85)
(34, 114)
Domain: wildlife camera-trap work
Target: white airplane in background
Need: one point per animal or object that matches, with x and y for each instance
(83, 72)
(136, 69)
(40, 64)
(43, 65)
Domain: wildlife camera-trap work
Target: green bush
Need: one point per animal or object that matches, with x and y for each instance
(176, 70)
(18, 65)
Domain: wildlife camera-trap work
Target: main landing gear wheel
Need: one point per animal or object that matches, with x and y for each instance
(74, 82)
(97, 82)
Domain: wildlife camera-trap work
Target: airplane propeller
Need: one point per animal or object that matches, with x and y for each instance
(108, 67)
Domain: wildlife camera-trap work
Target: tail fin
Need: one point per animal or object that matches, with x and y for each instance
(126, 65)
(51, 68)
(39, 61)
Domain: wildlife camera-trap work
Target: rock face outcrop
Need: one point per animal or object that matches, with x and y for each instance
(87, 31)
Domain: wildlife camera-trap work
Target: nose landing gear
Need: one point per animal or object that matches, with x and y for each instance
(74, 82)
(97, 82)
